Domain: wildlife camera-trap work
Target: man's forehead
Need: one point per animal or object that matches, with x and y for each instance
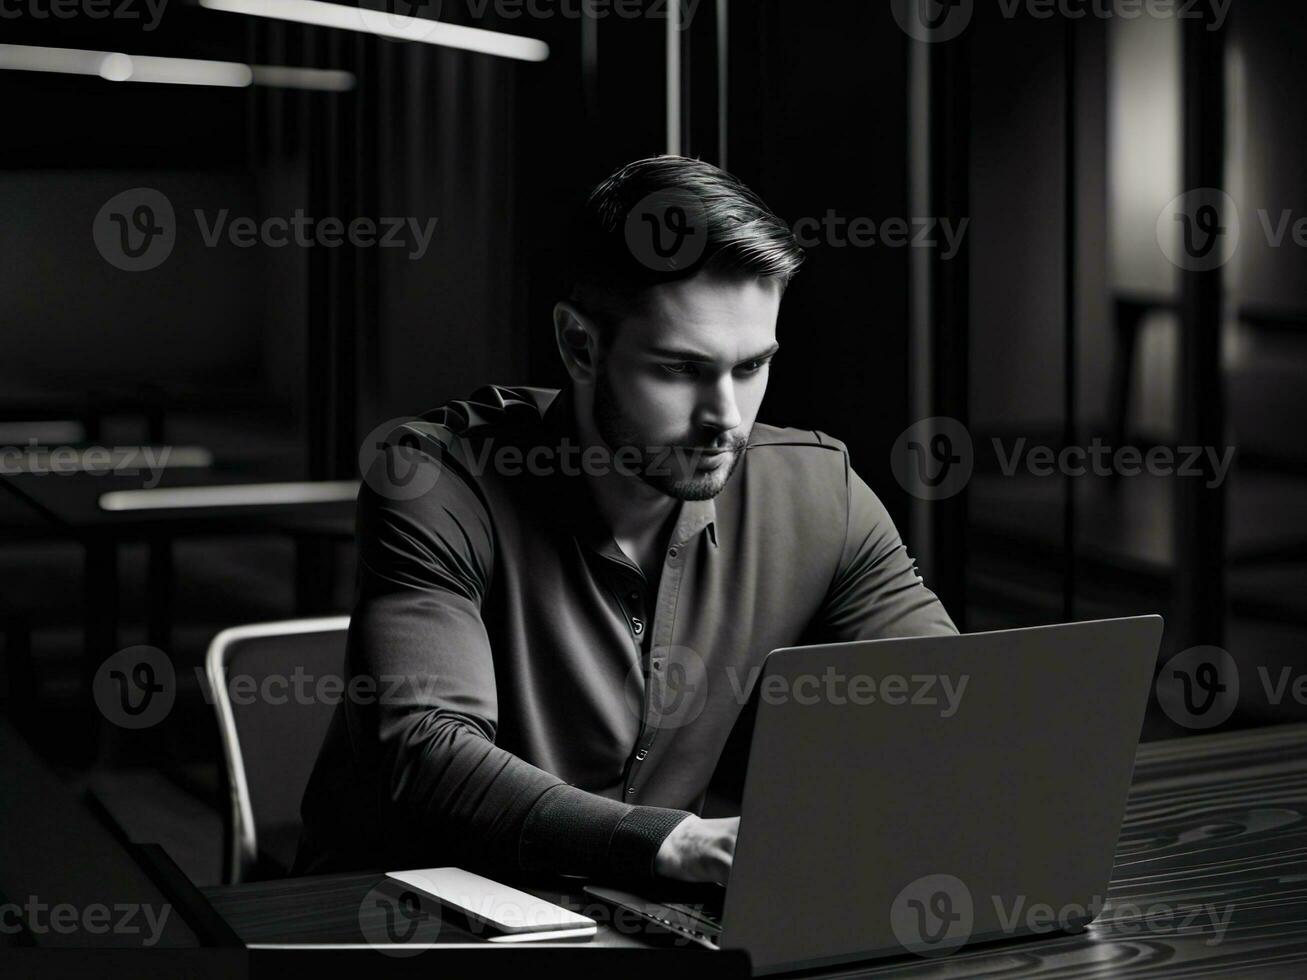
(719, 319)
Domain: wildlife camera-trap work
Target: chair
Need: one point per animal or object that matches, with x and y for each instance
(271, 727)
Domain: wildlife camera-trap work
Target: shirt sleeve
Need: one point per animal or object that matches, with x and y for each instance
(425, 567)
(876, 591)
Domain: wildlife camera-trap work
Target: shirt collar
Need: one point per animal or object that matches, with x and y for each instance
(696, 515)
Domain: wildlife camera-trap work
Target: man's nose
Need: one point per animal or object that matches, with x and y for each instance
(717, 407)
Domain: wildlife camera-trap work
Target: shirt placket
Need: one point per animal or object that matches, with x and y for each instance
(654, 655)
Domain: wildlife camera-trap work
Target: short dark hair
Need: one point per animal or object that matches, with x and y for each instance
(738, 235)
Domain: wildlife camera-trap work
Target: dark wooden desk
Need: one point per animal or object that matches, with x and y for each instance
(1214, 821)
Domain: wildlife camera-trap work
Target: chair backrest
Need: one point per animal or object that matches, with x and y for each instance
(273, 708)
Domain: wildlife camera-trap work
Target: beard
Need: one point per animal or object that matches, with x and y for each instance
(671, 470)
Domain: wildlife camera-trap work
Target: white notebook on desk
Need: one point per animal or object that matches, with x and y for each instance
(508, 914)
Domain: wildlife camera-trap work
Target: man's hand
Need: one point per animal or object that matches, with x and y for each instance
(699, 850)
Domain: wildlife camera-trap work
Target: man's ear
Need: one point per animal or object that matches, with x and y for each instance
(578, 341)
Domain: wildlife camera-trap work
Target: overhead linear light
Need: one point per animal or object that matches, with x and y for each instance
(321, 79)
(55, 432)
(118, 67)
(383, 23)
(236, 495)
(115, 66)
(41, 460)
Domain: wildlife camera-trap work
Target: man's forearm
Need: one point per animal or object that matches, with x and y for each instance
(570, 831)
(498, 811)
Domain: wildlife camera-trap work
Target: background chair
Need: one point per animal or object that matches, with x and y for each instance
(270, 743)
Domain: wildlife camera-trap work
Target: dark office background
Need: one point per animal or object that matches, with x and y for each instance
(1059, 320)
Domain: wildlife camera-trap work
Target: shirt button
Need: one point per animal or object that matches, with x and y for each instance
(639, 756)
(634, 596)
(638, 626)
(672, 553)
(630, 791)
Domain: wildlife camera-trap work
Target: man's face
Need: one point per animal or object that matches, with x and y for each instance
(682, 380)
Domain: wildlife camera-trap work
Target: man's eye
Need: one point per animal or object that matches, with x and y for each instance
(680, 369)
(752, 367)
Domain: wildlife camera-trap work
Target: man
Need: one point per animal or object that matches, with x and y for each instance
(565, 598)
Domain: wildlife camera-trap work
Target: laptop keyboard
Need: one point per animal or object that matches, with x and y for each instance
(709, 918)
(697, 916)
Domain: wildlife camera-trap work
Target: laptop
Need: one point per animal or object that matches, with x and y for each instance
(912, 796)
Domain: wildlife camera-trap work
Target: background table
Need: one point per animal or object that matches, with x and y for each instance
(53, 506)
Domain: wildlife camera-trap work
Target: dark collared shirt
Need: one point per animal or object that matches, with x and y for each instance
(538, 708)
